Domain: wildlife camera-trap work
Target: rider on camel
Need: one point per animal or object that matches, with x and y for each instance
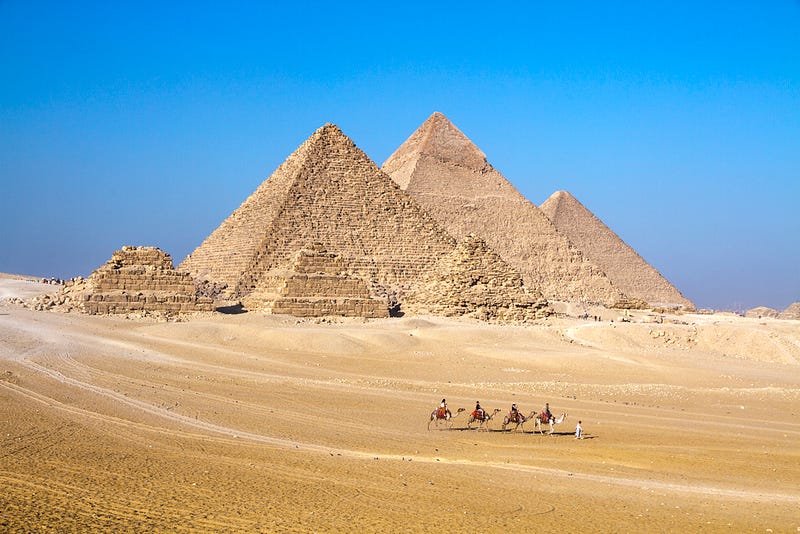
(547, 415)
(478, 412)
(443, 411)
(513, 415)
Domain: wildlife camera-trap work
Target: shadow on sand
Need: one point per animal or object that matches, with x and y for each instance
(235, 309)
(508, 431)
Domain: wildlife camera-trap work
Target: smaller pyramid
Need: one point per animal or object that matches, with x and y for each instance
(626, 269)
(135, 280)
(473, 281)
(791, 312)
(315, 283)
(760, 312)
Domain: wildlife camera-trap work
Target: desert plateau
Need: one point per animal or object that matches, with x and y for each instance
(255, 422)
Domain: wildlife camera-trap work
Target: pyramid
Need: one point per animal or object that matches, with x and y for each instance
(314, 284)
(761, 311)
(474, 281)
(791, 312)
(329, 192)
(626, 269)
(135, 280)
(451, 178)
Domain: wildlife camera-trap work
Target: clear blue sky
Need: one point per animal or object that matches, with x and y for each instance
(148, 123)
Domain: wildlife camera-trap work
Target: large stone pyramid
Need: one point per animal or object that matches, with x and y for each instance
(626, 269)
(450, 177)
(329, 192)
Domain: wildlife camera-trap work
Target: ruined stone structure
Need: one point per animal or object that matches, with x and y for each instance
(474, 281)
(135, 280)
(314, 284)
(760, 312)
(791, 312)
(450, 177)
(626, 269)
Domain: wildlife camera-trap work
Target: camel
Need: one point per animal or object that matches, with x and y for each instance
(447, 417)
(537, 418)
(482, 421)
(519, 422)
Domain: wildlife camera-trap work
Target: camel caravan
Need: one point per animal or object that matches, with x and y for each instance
(514, 420)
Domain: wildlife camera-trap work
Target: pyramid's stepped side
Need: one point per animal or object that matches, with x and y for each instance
(314, 284)
(230, 249)
(629, 271)
(450, 177)
(340, 198)
(135, 279)
(474, 281)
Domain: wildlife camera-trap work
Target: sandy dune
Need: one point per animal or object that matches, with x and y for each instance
(266, 423)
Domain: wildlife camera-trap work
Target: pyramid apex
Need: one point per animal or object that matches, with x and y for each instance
(329, 134)
(329, 128)
(561, 194)
(560, 200)
(439, 138)
(437, 116)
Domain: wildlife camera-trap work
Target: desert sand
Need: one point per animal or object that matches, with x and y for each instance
(253, 422)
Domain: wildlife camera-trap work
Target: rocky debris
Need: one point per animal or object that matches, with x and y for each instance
(630, 304)
(209, 289)
(626, 269)
(761, 311)
(473, 281)
(791, 312)
(135, 280)
(315, 283)
(449, 176)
